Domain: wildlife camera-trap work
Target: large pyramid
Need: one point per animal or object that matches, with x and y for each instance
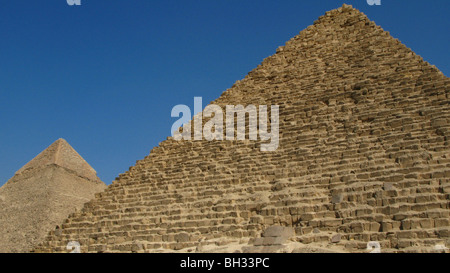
(42, 194)
(363, 156)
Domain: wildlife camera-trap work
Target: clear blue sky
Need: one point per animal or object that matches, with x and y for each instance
(105, 75)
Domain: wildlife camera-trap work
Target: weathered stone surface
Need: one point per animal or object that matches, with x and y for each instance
(42, 194)
(336, 238)
(358, 111)
(335, 199)
(268, 241)
(388, 186)
(279, 231)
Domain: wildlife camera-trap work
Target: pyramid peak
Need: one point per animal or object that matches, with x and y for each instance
(62, 154)
(344, 11)
(346, 6)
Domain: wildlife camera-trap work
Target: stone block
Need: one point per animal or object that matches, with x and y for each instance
(336, 238)
(273, 241)
(279, 231)
(182, 237)
(336, 199)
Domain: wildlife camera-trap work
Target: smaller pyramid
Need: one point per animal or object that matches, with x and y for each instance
(54, 184)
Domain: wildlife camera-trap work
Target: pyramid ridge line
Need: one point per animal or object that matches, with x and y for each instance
(58, 149)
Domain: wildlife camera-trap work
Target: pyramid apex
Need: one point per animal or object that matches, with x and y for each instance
(347, 6)
(60, 153)
(344, 11)
(59, 141)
